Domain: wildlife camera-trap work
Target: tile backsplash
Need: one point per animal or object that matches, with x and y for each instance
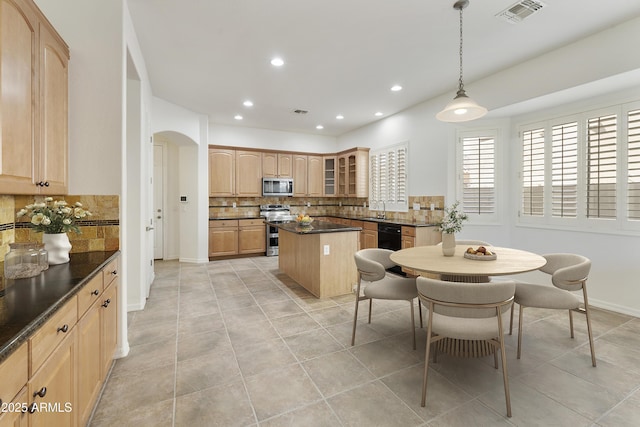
(222, 207)
(100, 232)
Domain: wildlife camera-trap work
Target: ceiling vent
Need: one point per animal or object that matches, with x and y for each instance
(517, 12)
(301, 111)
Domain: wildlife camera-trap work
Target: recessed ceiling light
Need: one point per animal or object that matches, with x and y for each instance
(396, 88)
(237, 117)
(378, 114)
(248, 103)
(319, 127)
(277, 62)
(339, 117)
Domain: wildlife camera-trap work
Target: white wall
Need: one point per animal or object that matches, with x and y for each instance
(550, 77)
(237, 136)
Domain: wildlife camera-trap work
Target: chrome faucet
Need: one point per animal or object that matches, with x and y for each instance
(382, 215)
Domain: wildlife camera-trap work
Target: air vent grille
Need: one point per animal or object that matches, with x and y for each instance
(519, 11)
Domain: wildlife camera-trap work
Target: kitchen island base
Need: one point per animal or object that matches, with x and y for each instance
(304, 258)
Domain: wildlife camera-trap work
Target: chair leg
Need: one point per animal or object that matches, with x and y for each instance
(413, 324)
(355, 314)
(587, 313)
(503, 355)
(511, 319)
(520, 316)
(370, 306)
(426, 357)
(571, 323)
(420, 312)
(495, 359)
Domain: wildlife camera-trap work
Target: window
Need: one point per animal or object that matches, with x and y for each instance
(533, 172)
(564, 170)
(583, 171)
(388, 178)
(477, 179)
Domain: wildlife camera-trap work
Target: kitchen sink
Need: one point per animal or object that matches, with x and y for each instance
(371, 218)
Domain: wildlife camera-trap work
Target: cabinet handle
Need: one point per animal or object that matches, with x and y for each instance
(42, 392)
(63, 329)
(32, 407)
(95, 292)
(106, 303)
(114, 272)
(46, 183)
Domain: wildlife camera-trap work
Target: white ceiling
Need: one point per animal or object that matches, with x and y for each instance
(341, 56)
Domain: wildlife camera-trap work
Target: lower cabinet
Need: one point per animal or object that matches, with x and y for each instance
(369, 235)
(233, 237)
(89, 361)
(16, 414)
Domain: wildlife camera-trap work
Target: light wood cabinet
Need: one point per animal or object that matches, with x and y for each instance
(329, 176)
(33, 114)
(53, 385)
(109, 325)
(223, 238)
(252, 236)
(353, 173)
(235, 173)
(222, 172)
(299, 175)
(14, 372)
(315, 180)
(248, 180)
(16, 418)
(89, 361)
(277, 165)
(369, 235)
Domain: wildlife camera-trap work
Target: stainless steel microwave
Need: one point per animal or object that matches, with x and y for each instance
(277, 186)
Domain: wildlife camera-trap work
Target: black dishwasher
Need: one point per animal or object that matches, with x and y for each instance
(390, 237)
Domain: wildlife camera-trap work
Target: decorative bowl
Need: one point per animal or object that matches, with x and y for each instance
(305, 222)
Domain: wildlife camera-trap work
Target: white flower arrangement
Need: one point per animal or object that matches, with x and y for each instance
(54, 216)
(452, 220)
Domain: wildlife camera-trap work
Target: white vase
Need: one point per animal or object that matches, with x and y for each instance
(448, 244)
(57, 246)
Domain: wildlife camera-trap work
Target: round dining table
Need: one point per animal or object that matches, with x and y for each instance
(429, 259)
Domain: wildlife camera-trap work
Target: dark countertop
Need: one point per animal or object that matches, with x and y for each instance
(316, 227)
(28, 303)
(235, 218)
(357, 218)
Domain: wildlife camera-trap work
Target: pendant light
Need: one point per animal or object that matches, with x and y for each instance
(461, 108)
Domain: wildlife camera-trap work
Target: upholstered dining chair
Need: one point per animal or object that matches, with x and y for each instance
(569, 274)
(466, 311)
(375, 282)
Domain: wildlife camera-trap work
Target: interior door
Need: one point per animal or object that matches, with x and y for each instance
(158, 201)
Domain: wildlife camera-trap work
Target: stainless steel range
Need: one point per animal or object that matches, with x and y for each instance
(274, 214)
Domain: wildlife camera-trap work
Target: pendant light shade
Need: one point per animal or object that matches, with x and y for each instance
(461, 108)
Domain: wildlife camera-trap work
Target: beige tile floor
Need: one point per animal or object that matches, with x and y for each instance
(237, 343)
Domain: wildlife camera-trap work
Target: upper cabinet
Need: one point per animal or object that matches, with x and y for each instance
(235, 173)
(277, 165)
(353, 173)
(299, 175)
(329, 176)
(315, 181)
(33, 114)
(307, 176)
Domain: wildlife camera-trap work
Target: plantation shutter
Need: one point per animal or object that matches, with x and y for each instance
(633, 165)
(388, 178)
(533, 172)
(564, 170)
(478, 180)
(601, 167)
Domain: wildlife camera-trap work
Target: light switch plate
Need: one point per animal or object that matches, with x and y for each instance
(416, 206)
(326, 249)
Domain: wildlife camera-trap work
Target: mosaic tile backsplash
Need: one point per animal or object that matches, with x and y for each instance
(222, 207)
(100, 232)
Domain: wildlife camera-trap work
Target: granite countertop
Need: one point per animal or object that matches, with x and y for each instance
(28, 303)
(386, 221)
(316, 227)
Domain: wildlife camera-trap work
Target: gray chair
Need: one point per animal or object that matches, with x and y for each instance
(375, 282)
(569, 273)
(466, 311)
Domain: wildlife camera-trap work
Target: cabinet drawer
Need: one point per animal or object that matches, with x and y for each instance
(14, 372)
(409, 231)
(89, 294)
(251, 222)
(370, 226)
(223, 223)
(110, 272)
(356, 223)
(45, 340)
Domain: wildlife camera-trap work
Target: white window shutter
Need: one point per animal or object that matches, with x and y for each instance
(533, 172)
(601, 167)
(633, 165)
(564, 170)
(478, 175)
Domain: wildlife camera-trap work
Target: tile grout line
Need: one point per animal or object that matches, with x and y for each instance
(175, 365)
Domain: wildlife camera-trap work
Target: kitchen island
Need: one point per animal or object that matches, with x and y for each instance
(319, 257)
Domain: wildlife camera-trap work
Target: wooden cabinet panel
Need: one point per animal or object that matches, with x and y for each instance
(14, 372)
(252, 239)
(299, 176)
(270, 165)
(329, 176)
(222, 172)
(285, 165)
(45, 339)
(89, 361)
(109, 325)
(223, 241)
(89, 294)
(57, 376)
(16, 419)
(370, 239)
(54, 60)
(18, 55)
(248, 178)
(315, 181)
